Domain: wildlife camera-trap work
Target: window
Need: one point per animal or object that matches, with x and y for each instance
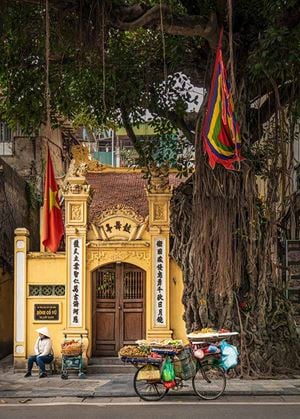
(6, 140)
(46, 290)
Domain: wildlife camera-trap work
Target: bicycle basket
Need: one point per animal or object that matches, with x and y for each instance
(184, 364)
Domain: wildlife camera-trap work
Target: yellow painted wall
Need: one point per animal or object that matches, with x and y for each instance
(6, 312)
(176, 306)
(44, 270)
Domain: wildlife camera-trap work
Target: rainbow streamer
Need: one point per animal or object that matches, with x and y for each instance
(221, 131)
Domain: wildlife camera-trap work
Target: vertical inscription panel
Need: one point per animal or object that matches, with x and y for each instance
(159, 282)
(75, 292)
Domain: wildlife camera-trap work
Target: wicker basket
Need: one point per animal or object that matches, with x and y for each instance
(73, 349)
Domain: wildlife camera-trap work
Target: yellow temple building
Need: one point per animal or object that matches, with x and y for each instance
(115, 282)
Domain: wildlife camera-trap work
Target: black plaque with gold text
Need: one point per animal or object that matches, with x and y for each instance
(46, 312)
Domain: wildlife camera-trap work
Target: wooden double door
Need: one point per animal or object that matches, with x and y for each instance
(119, 307)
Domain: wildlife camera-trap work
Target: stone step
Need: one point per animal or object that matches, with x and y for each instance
(109, 365)
(105, 360)
(110, 369)
(101, 365)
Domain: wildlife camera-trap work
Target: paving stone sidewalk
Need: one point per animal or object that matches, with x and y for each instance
(14, 385)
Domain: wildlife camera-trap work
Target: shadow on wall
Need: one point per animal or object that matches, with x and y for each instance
(18, 208)
(6, 312)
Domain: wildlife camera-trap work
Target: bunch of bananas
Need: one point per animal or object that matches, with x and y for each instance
(202, 331)
(207, 330)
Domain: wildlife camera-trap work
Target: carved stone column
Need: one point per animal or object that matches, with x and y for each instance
(159, 195)
(76, 193)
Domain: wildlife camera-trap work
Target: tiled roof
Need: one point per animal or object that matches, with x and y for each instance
(111, 189)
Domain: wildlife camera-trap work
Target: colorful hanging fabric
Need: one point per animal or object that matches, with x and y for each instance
(221, 131)
(53, 228)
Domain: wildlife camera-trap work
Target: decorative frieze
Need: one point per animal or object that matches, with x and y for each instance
(103, 256)
(118, 223)
(121, 211)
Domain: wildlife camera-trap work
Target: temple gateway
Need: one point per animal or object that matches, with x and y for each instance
(115, 282)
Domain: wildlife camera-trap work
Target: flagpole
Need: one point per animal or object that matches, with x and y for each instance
(47, 84)
(233, 86)
(220, 39)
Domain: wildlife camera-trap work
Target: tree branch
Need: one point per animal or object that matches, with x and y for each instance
(127, 124)
(141, 16)
(173, 25)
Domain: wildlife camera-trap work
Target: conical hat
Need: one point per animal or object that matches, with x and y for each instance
(44, 331)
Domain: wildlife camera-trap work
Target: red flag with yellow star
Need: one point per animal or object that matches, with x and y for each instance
(53, 228)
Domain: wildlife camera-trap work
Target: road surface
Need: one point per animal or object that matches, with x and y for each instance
(133, 408)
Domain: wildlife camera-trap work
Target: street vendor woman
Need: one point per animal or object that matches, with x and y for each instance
(43, 353)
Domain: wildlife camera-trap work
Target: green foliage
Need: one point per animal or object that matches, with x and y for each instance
(22, 66)
(96, 73)
(89, 81)
(170, 149)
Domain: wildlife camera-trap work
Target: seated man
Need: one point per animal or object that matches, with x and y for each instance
(43, 353)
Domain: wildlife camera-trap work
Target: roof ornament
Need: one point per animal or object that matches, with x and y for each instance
(75, 180)
(81, 155)
(158, 178)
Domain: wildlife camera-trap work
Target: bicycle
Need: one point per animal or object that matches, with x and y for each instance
(208, 380)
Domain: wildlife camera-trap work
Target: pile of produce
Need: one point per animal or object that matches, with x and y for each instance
(131, 351)
(160, 343)
(208, 330)
(71, 348)
(146, 348)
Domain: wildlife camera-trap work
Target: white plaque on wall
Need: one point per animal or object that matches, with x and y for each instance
(160, 282)
(75, 282)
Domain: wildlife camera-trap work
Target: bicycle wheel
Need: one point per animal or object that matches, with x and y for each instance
(209, 382)
(147, 383)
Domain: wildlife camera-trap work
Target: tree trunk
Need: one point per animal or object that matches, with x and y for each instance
(231, 276)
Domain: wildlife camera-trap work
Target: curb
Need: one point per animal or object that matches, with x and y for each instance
(96, 394)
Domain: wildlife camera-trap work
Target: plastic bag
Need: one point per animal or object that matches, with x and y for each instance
(170, 384)
(212, 349)
(229, 355)
(168, 373)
